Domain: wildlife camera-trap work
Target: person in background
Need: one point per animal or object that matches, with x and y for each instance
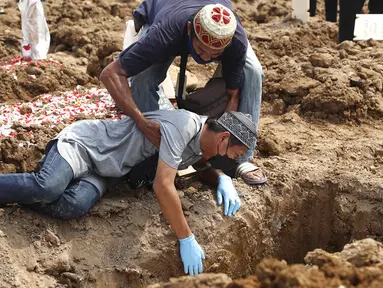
(347, 14)
(36, 37)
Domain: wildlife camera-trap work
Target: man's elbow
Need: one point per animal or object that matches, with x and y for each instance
(105, 74)
(113, 69)
(233, 94)
(159, 187)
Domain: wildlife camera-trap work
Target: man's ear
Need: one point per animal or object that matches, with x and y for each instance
(189, 28)
(224, 135)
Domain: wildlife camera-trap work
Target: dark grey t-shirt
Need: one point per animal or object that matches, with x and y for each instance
(110, 148)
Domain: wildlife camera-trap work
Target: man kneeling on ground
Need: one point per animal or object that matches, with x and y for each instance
(73, 173)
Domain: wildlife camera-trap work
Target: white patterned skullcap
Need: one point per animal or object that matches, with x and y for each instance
(240, 125)
(215, 25)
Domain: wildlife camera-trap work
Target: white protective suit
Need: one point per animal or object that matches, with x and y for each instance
(36, 37)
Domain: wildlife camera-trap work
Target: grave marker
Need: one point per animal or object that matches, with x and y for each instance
(301, 10)
(368, 26)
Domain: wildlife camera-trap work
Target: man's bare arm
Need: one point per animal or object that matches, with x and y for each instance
(115, 79)
(116, 82)
(233, 103)
(169, 200)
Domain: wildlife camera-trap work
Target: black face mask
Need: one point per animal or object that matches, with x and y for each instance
(222, 162)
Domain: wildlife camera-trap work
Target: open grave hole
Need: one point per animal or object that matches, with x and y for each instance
(330, 216)
(302, 218)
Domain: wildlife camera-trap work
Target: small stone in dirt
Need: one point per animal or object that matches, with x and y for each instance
(37, 244)
(115, 9)
(378, 84)
(57, 264)
(285, 190)
(372, 43)
(33, 70)
(343, 54)
(346, 45)
(187, 213)
(91, 277)
(297, 189)
(31, 264)
(36, 222)
(356, 81)
(60, 47)
(186, 204)
(261, 37)
(217, 217)
(270, 146)
(269, 164)
(133, 274)
(52, 238)
(72, 276)
(22, 136)
(379, 152)
(2, 234)
(291, 117)
(25, 109)
(191, 190)
(279, 107)
(373, 169)
(321, 60)
(58, 127)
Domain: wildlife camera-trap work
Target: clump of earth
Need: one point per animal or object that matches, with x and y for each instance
(320, 143)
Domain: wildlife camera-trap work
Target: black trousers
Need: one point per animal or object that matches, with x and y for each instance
(347, 15)
(331, 7)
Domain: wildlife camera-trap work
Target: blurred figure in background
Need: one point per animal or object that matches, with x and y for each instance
(36, 37)
(331, 8)
(347, 13)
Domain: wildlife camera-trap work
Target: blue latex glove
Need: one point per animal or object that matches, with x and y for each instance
(191, 255)
(226, 190)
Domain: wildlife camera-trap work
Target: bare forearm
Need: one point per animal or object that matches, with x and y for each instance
(233, 102)
(171, 207)
(116, 82)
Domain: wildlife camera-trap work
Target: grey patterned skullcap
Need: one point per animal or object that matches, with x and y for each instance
(240, 125)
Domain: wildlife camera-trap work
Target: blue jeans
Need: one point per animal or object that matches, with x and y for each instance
(145, 88)
(52, 190)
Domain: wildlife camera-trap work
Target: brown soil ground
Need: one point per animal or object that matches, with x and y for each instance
(321, 144)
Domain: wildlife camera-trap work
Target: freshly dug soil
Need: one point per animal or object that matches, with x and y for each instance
(320, 143)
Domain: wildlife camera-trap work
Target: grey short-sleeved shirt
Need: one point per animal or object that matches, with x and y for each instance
(110, 148)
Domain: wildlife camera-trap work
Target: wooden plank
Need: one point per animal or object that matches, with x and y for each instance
(187, 172)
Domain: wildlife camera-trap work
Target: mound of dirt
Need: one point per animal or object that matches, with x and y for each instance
(24, 80)
(327, 81)
(324, 177)
(21, 154)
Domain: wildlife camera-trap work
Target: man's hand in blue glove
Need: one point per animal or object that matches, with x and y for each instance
(226, 190)
(191, 255)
